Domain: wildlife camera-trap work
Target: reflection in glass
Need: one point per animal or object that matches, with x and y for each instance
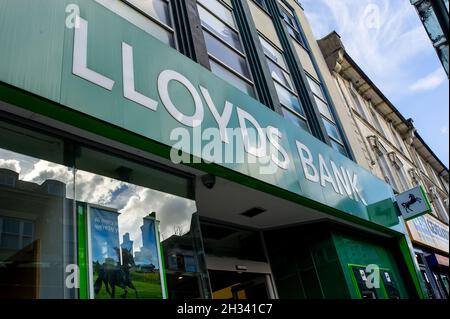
(271, 52)
(36, 220)
(159, 12)
(323, 108)
(279, 74)
(219, 10)
(339, 147)
(219, 28)
(232, 78)
(331, 130)
(315, 87)
(139, 222)
(226, 55)
(288, 99)
(158, 9)
(295, 119)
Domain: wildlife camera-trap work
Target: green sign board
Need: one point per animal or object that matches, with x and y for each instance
(106, 66)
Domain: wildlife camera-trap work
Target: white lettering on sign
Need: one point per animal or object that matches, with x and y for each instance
(261, 143)
(129, 91)
(80, 57)
(338, 181)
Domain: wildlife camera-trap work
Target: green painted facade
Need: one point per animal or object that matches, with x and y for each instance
(36, 74)
(106, 33)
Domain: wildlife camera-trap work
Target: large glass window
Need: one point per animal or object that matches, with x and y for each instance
(377, 122)
(397, 139)
(36, 216)
(385, 169)
(130, 229)
(358, 105)
(290, 103)
(290, 22)
(226, 54)
(328, 119)
(401, 174)
(159, 14)
(151, 221)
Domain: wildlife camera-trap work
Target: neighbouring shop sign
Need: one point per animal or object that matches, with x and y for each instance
(413, 203)
(429, 231)
(108, 68)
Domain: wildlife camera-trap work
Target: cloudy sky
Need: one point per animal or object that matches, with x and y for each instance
(387, 39)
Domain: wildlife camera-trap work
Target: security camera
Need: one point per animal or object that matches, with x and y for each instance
(209, 180)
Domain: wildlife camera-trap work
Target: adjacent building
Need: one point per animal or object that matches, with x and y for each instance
(223, 118)
(389, 146)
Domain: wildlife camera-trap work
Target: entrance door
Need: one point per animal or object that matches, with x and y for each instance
(238, 285)
(232, 278)
(237, 264)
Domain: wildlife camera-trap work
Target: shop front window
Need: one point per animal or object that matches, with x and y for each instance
(36, 216)
(143, 232)
(130, 230)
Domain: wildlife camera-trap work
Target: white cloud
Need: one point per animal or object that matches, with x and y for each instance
(384, 37)
(12, 165)
(429, 82)
(444, 130)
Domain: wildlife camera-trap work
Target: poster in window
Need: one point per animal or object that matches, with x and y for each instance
(124, 256)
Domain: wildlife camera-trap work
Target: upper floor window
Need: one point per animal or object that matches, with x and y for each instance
(400, 171)
(439, 205)
(159, 14)
(358, 104)
(381, 154)
(421, 164)
(290, 22)
(223, 43)
(328, 119)
(288, 97)
(262, 3)
(15, 234)
(397, 138)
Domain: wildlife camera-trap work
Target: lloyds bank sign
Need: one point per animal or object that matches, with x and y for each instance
(109, 68)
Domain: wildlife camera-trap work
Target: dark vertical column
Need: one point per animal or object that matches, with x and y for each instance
(189, 31)
(298, 75)
(255, 55)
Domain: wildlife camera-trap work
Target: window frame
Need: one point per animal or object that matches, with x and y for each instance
(277, 82)
(248, 80)
(161, 24)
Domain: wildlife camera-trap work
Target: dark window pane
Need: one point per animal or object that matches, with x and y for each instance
(226, 55)
(231, 78)
(219, 10)
(288, 99)
(279, 75)
(331, 130)
(11, 226)
(274, 54)
(10, 242)
(37, 240)
(27, 229)
(219, 28)
(315, 87)
(295, 119)
(338, 147)
(158, 9)
(323, 108)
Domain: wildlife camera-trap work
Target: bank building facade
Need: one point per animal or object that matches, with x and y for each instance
(171, 149)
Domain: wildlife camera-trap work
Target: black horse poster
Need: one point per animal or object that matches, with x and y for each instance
(118, 268)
